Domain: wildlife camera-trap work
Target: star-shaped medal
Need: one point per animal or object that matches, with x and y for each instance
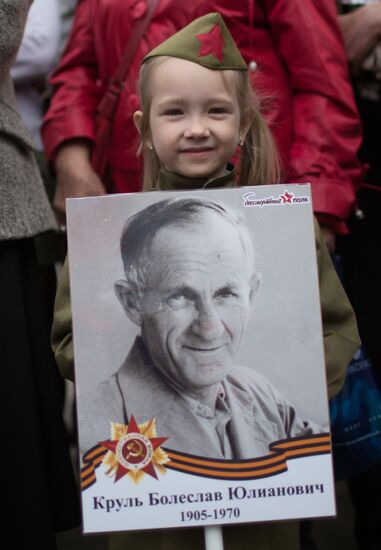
(134, 450)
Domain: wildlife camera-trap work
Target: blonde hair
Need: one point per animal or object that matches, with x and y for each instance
(259, 159)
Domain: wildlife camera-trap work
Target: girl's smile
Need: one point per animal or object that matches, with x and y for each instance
(194, 118)
(196, 151)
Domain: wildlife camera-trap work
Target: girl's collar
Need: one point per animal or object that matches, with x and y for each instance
(169, 181)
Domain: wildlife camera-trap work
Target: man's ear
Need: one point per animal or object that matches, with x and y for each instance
(128, 296)
(254, 285)
(137, 118)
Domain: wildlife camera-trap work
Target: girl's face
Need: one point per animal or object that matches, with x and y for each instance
(194, 118)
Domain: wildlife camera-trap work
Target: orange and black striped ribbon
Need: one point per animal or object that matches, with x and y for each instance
(255, 468)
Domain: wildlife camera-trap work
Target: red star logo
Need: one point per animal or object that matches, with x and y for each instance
(286, 197)
(212, 43)
(134, 451)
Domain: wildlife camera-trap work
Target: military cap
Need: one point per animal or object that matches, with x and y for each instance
(206, 41)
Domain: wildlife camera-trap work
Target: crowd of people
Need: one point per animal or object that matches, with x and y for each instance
(79, 89)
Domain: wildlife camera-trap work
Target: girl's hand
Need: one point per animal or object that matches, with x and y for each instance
(361, 30)
(75, 176)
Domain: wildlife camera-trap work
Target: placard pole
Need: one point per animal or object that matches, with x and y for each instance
(213, 537)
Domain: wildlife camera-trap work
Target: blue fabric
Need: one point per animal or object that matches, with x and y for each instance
(355, 414)
(356, 420)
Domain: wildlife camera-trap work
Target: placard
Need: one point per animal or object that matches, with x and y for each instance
(200, 378)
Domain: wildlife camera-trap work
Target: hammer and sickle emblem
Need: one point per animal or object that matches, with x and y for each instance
(135, 449)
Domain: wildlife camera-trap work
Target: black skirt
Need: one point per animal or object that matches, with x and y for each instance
(39, 490)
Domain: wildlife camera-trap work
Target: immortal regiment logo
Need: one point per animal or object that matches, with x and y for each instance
(286, 197)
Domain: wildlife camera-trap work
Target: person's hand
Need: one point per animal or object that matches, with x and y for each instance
(75, 176)
(329, 238)
(361, 30)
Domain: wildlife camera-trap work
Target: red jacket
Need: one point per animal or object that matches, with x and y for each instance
(96, 45)
(301, 67)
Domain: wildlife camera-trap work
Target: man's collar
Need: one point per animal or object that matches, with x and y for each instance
(201, 408)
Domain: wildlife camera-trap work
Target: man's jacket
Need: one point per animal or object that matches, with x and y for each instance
(259, 414)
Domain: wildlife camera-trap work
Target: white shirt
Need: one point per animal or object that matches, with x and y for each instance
(36, 58)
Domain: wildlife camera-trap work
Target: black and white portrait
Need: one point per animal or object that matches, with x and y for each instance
(188, 292)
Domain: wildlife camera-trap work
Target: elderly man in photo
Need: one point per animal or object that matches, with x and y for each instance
(190, 285)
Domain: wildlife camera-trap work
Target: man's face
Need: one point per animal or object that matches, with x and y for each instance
(197, 304)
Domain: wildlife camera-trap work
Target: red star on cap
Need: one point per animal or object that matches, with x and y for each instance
(212, 43)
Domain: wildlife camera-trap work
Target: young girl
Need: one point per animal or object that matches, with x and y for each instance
(203, 105)
(197, 108)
